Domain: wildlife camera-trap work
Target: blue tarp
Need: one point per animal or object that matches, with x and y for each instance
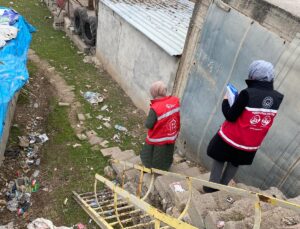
(13, 70)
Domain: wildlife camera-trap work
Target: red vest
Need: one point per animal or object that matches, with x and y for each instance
(249, 130)
(166, 129)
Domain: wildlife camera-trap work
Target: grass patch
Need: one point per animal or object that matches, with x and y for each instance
(68, 168)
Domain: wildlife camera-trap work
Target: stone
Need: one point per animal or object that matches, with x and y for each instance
(274, 192)
(240, 210)
(110, 151)
(199, 207)
(162, 185)
(104, 144)
(23, 141)
(122, 156)
(81, 117)
(95, 140)
(81, 137)
(2, 202)
(91, 133)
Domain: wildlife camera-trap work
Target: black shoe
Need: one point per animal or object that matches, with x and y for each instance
(209, 190)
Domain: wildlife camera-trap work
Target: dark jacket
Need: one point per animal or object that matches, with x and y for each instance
(255, 96)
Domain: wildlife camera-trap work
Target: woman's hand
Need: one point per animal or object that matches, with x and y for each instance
(225, 96)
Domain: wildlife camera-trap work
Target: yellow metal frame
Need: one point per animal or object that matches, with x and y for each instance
(257, 197)
(117, 200)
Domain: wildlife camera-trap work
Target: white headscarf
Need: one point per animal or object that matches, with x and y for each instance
(261, 70)
(158, 89)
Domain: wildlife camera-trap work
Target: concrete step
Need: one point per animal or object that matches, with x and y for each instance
(122, 156)
(110, 151)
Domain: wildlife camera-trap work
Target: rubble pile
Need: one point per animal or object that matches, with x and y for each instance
(16, 193)
(206, 210)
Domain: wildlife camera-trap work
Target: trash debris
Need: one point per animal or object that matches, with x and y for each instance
(36, 173)
(23, 209)
(220, 224)
(106, 119)
(76, 145)
(81, 117)
(230, 200)
(38, 162)
(43, 138)
(100, 117)
(41, 223)
(8, 226)
(107, 125)
(290, 221)
(99, 127)
(45, 189)
(80, 226)
(121, 128)
(177, 187)
(35, 105)
(116, 138)
(103, 108)
(93, 97)
(12, 153)
(35, 185)
(61, 104)
(12, 205)
(66, 201)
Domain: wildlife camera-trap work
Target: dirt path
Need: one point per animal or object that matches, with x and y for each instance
(31, 116)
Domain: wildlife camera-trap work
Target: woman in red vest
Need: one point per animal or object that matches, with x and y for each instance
(163, 123)
(247, 123)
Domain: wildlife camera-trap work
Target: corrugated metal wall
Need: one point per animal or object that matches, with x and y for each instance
(229, 42)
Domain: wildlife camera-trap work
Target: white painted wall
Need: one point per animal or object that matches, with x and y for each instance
(132, 59)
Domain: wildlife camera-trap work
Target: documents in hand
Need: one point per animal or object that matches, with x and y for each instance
(232, 94)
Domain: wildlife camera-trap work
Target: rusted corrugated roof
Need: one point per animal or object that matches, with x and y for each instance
(164, 22)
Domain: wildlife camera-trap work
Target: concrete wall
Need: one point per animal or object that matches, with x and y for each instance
(131, 58)
(229, 42)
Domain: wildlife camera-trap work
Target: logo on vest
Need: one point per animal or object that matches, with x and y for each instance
(266, 120)
(172, 126)
(170, 106)
(255, 119)
(267, 102)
